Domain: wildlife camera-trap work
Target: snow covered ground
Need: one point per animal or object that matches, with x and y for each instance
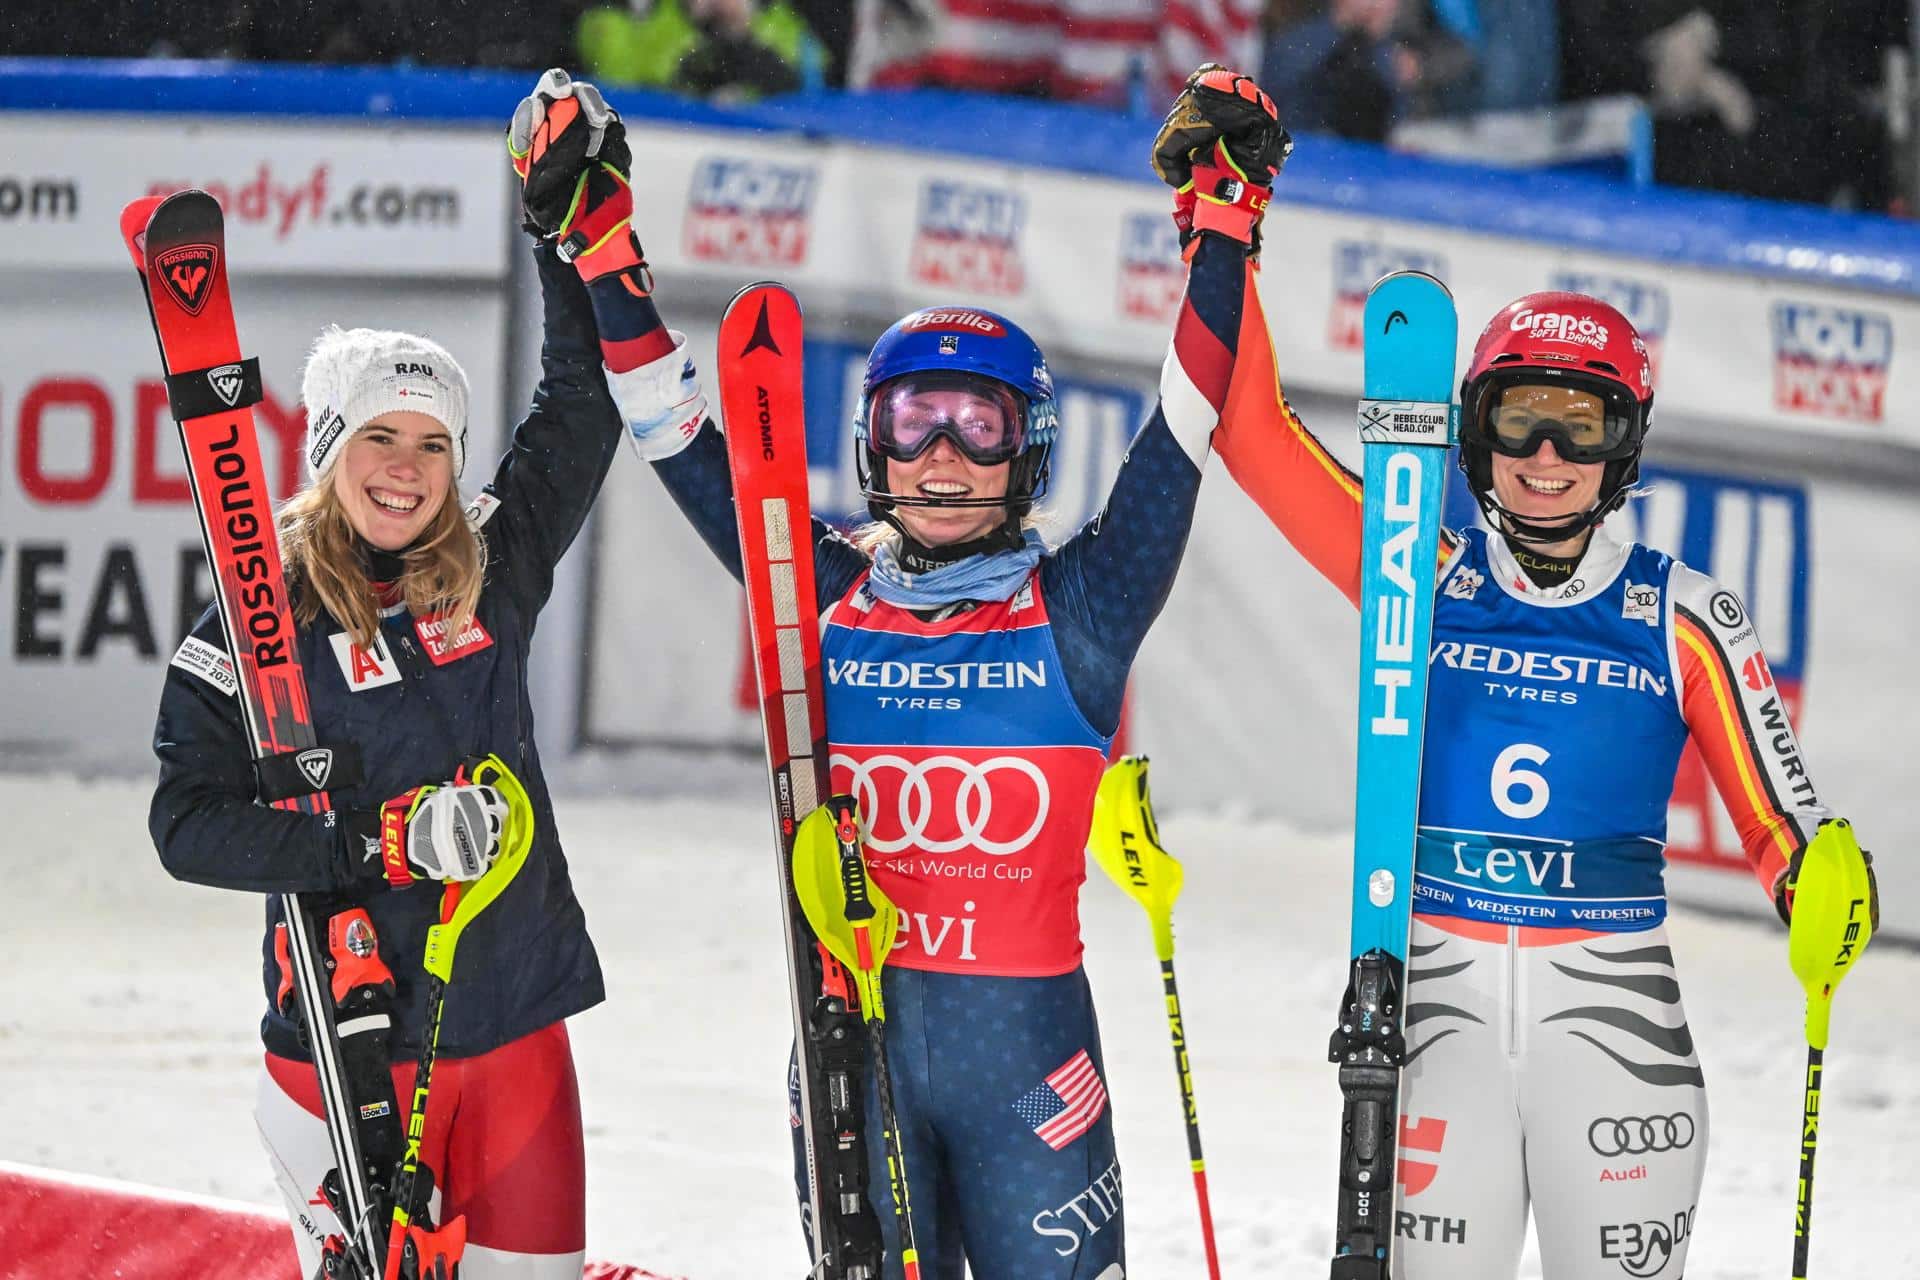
(128, 1005)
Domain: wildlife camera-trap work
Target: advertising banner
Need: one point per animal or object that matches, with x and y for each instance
(100, 564)
(335, 200)
(1091, 266)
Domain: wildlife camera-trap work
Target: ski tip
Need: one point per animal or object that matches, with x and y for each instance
(133, 227)
(1395, 281)
(762, 293)
(759, 286)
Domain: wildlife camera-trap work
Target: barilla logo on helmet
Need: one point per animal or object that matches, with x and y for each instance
(942, 319)
(1560, 326)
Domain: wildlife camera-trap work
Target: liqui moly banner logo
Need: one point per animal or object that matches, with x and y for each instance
(968, 237)
(1645, 304)
(1831, 362)
(1357, 265)
(750, 212)
(1152, 277)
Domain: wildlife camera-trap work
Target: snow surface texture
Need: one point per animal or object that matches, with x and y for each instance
(128, 1005)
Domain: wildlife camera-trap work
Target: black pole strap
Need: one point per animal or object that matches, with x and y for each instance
(199, 393)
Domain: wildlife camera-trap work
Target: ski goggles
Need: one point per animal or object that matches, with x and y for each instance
(1605, 428)
(985, 419)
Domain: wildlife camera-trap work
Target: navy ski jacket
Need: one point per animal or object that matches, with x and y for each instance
(1106, 584)
(526, 961)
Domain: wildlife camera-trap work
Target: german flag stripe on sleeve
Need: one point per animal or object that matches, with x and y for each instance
(1724, 732)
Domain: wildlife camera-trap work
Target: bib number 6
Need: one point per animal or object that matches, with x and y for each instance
(1519, 792)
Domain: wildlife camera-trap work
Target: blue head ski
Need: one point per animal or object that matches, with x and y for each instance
(1407, 422)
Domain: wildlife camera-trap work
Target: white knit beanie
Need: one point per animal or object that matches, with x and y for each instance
(355, 375)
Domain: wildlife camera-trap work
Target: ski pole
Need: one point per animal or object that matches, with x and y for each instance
(856, 922)
(1835, 912)
(412, 1245)
(1125, 841)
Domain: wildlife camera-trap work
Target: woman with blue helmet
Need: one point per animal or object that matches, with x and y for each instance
(975, 380)
(974, 678)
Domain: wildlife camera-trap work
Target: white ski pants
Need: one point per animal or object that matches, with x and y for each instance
(1550, 1074)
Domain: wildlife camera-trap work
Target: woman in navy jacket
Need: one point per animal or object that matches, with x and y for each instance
(414, 619)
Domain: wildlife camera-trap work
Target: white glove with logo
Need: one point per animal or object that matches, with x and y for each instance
(449, 832)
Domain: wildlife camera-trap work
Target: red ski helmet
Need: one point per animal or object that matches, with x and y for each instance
(1557, 339)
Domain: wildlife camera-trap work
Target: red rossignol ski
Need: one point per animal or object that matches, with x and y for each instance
(760, 400)
(178, 245)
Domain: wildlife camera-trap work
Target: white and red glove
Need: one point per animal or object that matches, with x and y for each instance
(570, 151)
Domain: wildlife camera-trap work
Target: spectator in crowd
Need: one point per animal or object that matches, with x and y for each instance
(729, 49)
(1518, 48)
(1770, 98)
(1355, 67)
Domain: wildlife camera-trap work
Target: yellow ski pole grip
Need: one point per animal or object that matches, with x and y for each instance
(849, 914)
(1125, 841)
(516, 840)
(1832, 918)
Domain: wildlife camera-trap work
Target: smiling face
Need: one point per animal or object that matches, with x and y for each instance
(944, 472)
(1543, 486)
(392, 477)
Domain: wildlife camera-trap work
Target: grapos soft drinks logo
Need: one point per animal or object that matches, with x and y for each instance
(1645, 304)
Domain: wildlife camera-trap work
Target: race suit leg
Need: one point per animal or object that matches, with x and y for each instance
(1614, 1106)
(503, 1137)
(1019, 1099)
(1463, 1183)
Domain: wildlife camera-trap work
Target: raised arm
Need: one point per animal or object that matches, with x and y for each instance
(1117, 571)
(1283, 467)
(541, 493)
(1220, 148)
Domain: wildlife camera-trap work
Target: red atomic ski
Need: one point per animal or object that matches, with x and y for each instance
(760, 400)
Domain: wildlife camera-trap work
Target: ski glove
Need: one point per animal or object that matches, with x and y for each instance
(570, 151)
(1839, 832)
(1220, 148)
(446, 832)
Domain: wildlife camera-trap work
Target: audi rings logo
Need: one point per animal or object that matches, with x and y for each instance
(1640, 1135)
(944, 804)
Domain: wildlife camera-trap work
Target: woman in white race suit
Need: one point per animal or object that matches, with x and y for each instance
(1550, 1065)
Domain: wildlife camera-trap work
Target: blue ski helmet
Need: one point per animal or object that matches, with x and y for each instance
(971, 342)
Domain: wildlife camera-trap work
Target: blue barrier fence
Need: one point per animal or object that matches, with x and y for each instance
(1854, 251)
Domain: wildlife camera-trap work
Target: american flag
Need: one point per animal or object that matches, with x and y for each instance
(1073, 49)
(1066, 1103)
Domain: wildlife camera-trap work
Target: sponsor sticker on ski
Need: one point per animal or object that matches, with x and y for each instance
(209, 662)
(1403, 422)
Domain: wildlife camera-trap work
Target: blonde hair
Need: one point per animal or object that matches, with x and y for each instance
(444, 570)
